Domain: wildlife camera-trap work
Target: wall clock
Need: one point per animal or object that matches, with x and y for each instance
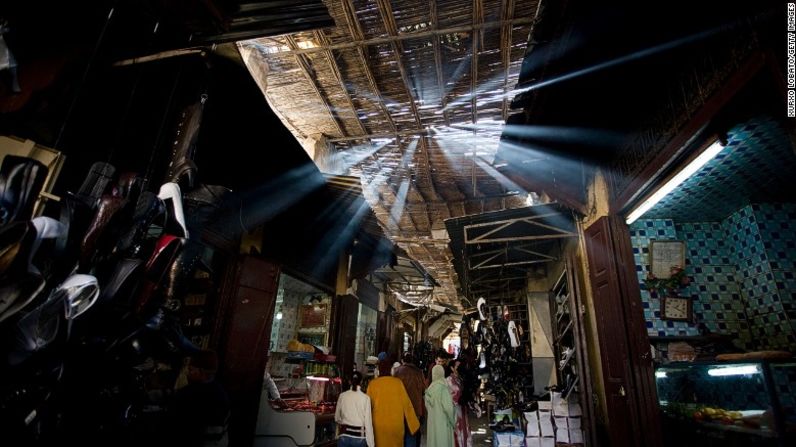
(676, 308)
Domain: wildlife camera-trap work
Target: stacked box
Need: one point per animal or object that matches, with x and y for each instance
(567, 418)
(556, 422)
(539, 428)
(509, 439)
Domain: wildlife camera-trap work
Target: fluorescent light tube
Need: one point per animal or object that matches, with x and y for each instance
(318, 378)
(660, 374)
(733, 370)
(675, 181)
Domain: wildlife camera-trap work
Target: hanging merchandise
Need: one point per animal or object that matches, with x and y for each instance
(514, 337)
(182, 169)
(505, 359)
(481, 304)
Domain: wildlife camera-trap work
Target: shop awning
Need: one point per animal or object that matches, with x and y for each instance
(494, 252)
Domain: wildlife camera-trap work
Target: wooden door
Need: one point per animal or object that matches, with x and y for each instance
(384, 331)
(246, 333)
(346, 329)
(628, 379)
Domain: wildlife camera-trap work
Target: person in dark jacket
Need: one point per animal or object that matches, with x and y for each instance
(199, 412)
(415, 385)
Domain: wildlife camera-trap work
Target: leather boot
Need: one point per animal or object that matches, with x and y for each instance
(148, 208)
(182, 169)
(96, 183)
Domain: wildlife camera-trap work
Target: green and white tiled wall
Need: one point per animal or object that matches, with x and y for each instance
(641, 233)
(742, 275)
(765, 237)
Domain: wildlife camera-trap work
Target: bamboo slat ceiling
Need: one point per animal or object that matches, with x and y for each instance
(410, 96)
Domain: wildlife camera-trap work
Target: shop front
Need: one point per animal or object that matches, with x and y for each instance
(715, 264)
(301, 368)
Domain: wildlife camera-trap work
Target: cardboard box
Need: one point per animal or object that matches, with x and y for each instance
(533, 442)
(562, 435)
(545, 405)
(576, 436)
(560, 406)
(561, 422)
(548, 442)
(532, 428)
(503, 439)
(574, 423)
(574, 409)
(546, 427)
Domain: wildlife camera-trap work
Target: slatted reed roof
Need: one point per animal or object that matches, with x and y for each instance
(410, 96)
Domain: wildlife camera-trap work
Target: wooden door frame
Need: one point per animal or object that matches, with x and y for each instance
(627, 374)
(641, 367)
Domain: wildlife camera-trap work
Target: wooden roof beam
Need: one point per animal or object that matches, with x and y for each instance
(356, 33)
(321, 38)
(424, 146)
(406, 177)
(304, 64)
(433, 183)
(506, 41)
(478, 17)
(360, 42)
(385, 9)
(395, 135)
(438, 63)
(425, 160)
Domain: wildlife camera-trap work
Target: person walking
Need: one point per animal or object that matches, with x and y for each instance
(461, 432)
(353, 416)
(391, 408)
(440, 412)
(415, 384)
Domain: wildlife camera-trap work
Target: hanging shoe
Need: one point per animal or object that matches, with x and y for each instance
(95, 184)
(514, 336)
(181, 169)
(107, 216)
(481, 305)
(170, 194)
(565, 356)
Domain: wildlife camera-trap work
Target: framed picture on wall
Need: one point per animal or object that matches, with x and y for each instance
(313, 315)
(664, 255)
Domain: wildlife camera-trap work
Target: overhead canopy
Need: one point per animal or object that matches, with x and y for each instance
(410, 97)
(494, 252)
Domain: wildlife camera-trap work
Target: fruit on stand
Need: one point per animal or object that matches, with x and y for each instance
(717, 415)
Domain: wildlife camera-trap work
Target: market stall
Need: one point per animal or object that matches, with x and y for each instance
(299, 423)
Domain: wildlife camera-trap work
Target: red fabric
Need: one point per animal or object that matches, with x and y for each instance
(461, 431)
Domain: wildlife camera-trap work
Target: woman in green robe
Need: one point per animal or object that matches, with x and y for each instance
(439, 406)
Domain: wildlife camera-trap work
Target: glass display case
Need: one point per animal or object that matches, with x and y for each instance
(749, 403)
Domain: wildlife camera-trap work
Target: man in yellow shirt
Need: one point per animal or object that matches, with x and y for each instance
(391, 406)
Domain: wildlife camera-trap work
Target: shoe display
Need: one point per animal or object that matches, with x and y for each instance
(565, 356)
(514, 336)
(481, 305)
